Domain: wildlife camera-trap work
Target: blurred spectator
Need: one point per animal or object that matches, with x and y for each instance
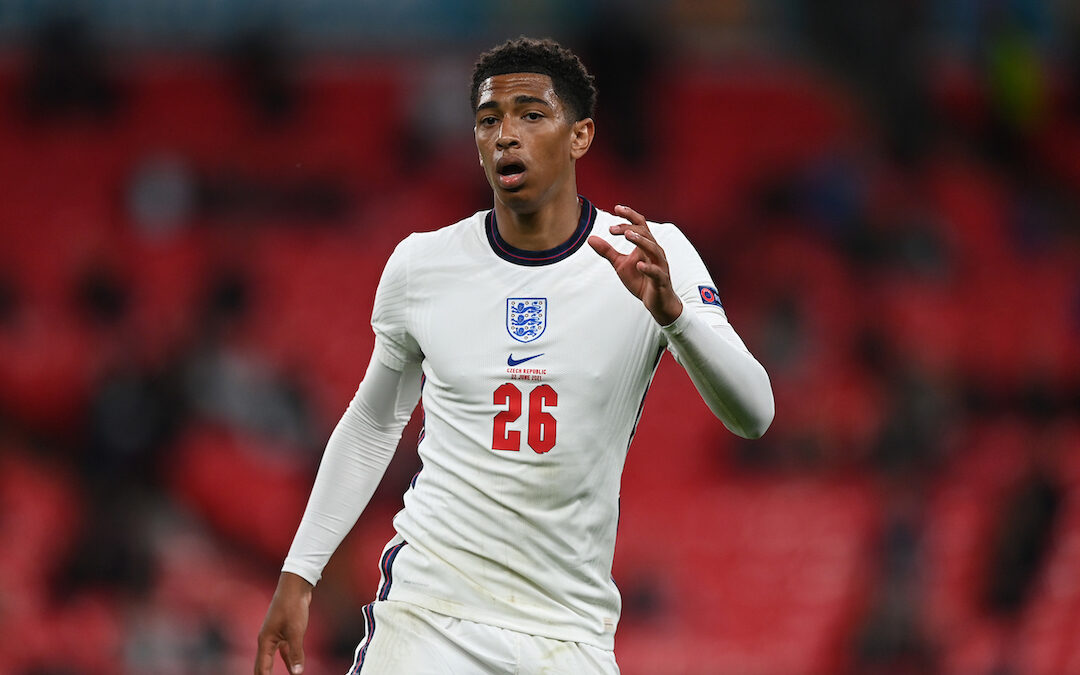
(1014, 80)
(226, 383)
(881, 48)
(101, 296)
(121, 438)
(132, 415)
(891, 638)
(112, 552)
(227, 195)
(130, 411)
(165, 194)
(165, 641)
(67, 76)
(832, 195)
(1020, 540)
(785, 336)
(916, 246)
(622, 53)
(161, 195)
(911, 440)
(439, 126)
(645, 597)
(264, 71)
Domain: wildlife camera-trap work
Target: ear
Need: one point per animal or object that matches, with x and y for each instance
(581, 135)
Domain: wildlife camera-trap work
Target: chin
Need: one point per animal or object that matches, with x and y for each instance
(516, 201)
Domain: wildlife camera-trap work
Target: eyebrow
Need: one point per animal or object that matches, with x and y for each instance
(521, 99)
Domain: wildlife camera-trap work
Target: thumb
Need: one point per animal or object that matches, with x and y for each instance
(605, 249)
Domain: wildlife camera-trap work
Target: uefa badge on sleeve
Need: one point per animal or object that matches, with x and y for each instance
(709, 296)
(526, 318)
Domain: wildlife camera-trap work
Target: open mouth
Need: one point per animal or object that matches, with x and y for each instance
(511, 175)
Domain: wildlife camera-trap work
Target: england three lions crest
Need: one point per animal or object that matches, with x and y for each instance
(526, 318)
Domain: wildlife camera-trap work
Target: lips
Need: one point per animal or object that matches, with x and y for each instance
(511, 172)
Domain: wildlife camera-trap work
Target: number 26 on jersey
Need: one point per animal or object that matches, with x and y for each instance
(541, 433)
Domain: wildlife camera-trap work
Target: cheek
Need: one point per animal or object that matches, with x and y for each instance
(482, 154)
(555, 146)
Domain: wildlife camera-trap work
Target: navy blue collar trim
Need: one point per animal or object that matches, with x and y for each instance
(552, 255)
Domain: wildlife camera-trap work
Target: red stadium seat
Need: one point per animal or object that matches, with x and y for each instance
(229, 478)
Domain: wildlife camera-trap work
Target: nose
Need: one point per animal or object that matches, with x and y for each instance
(508, 137)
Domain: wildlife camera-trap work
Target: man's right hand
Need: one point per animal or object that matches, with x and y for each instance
(284, 626)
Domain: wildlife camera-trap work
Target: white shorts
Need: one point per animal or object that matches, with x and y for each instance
(403, 638)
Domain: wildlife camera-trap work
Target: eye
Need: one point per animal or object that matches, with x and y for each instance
(487, 121)
(534, 116)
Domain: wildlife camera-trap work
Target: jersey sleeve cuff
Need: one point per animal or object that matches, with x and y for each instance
(679, 325)
(304, 573)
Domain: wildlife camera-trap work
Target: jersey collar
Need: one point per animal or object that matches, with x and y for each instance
(552, 255)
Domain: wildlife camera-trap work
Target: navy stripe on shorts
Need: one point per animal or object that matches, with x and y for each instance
(386, 568)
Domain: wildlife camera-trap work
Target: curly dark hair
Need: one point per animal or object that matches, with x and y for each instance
(573, 84)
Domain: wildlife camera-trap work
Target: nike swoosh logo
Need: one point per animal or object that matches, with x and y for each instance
(511, 361)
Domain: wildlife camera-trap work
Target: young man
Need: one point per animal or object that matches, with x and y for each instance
(534, 353)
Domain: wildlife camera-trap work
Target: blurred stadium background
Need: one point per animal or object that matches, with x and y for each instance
(197, 201)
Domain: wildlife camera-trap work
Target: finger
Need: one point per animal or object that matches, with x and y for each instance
(655, 272)
(605, 249)
(648, 246)
(638, 224)
(637, 221)
(626, 229)
(264, 659)
(630, 214)
(296, 654)
(292, 653)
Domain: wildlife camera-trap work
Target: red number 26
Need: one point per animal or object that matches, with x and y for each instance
(541, 423)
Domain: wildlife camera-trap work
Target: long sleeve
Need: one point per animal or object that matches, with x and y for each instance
(355, 459)
(730, 380)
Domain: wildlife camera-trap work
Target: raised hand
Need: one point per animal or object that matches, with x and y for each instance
(644, 270)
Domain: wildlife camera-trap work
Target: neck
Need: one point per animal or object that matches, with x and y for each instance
(542, 229)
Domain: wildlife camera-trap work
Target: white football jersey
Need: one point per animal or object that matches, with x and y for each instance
(535, 366)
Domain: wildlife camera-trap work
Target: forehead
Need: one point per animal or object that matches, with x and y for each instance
(505, 88)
